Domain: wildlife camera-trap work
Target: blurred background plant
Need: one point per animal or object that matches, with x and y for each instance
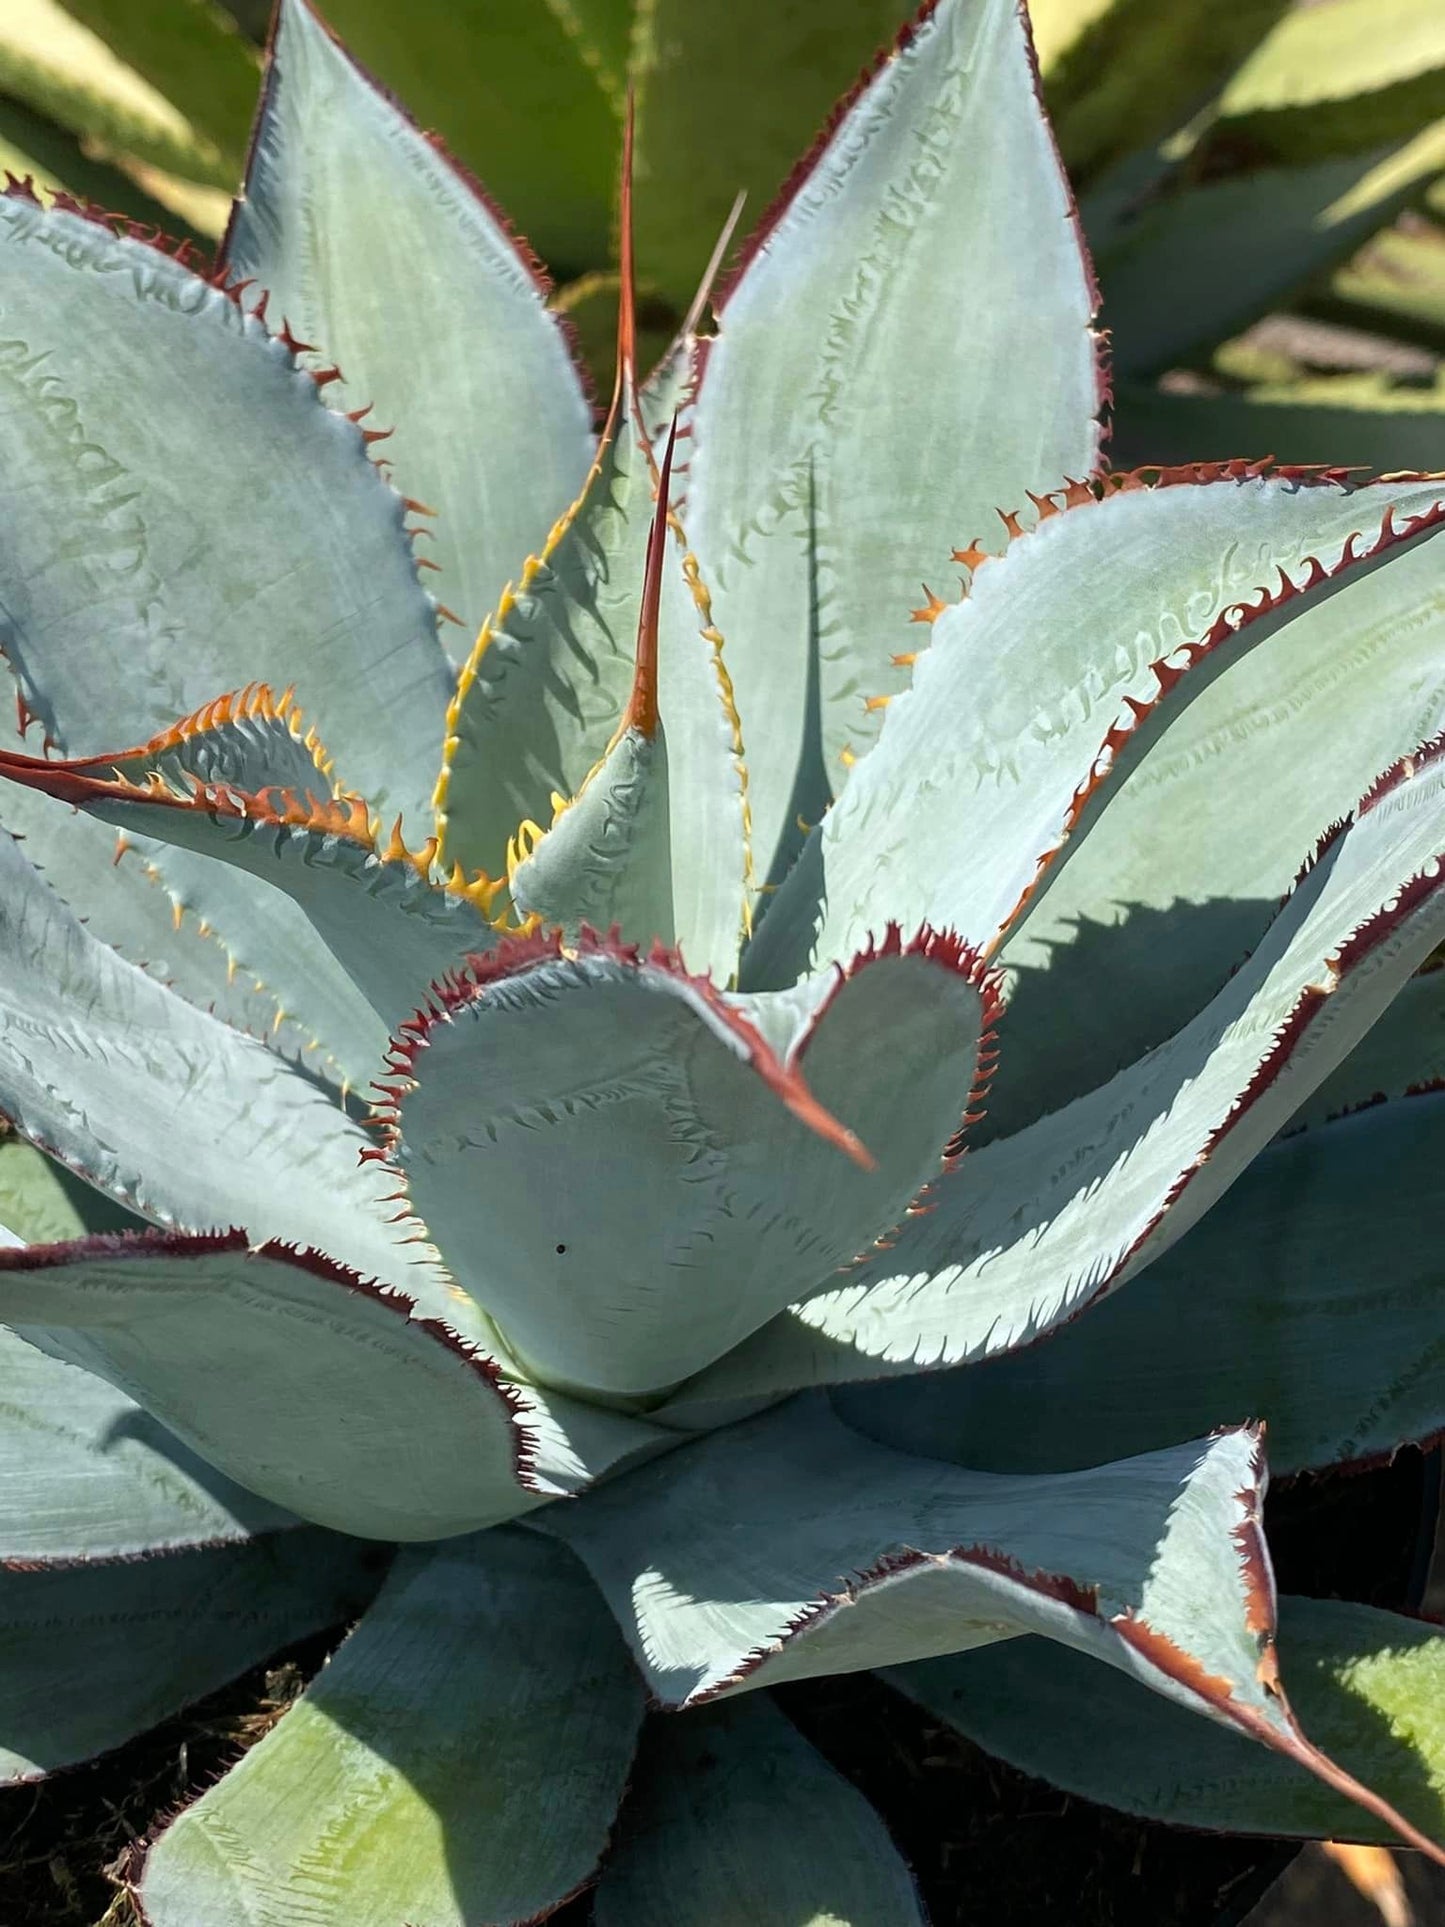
(1263, 183)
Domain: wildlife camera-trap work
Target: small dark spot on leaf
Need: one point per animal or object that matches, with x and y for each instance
(560, 1250)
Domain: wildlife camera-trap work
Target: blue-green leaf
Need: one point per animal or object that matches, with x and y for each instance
(1309, 1297)
(706, 1182)
(379, 249)
(1367, 1685)
(95, 1654)
(85, 1474)
(734, 1820)
(326, 1394)
(461, 1759)
(1031, 1229)
(183, 514)
(834, 407)
(1043, 688)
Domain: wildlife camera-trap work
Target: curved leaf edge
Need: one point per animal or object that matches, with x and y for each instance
(161, 1245)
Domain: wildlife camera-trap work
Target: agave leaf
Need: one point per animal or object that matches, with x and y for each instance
(1390, 428)
(773, 71)
(1309, 1297)
(1330, 80)
(170, 1112)
(1196, 264)
(96, 1654)
(733, 1819)
(1121, 74)
(33, 148)
(654, 844)
(381, 921)
(461, 1759)
(375, 246)
(139, 560)
(1403, 1053)
(41, 1202)
(1366, 1685)
(1044, 687)
(788, 1547)
(647, 1086)
(545, 693)
(529, 96)
(809, 453)
(87, 1475)
(1182, 875)
(190, 51)
(1030, 1230)
(305, 1383)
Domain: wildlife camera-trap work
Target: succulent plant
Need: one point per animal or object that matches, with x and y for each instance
(1265, 159)
(679, 1298)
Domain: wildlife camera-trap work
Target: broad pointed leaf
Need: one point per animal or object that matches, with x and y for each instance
(1309, 1297)
(461, 1759)
(183, 514)
(1030, 1230)
(789, 1547)
(86, 1475)
(97, 1654)
(1043, 688)
(379, 249)
(307, 1384)
(708, 1177)
(530, 97)
(811, 450)
(734, 1820)
(1366, 1685)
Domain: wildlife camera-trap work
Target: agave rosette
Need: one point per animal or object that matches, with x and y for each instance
(675, 1294)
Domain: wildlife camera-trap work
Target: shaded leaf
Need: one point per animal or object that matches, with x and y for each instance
(1335, 421)
(96, 1654)
(1366, 1684)
(734, 1820)
(1309, 1298)
(461, 1759)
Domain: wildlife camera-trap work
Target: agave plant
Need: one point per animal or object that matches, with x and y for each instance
(1230, 162)
(676, 1296)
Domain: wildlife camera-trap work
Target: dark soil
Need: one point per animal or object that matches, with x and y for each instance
(986, 1843)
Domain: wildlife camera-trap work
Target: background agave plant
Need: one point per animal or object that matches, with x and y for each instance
(655, 1305)
(1265, 159)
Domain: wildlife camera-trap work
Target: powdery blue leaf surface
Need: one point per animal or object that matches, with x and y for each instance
(322, 1392)
(461, 1759)
(168, 1111)
(95, 1654)
(184, 515)
(1404, 1052)
(1309, 1297)
(734, 1820)
(789, 1547)
(1044, 687)
(85, 1474)
(381, 251)
(710, 1145)
(1032, 1229)
(1367, 1686)
(809, 451)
